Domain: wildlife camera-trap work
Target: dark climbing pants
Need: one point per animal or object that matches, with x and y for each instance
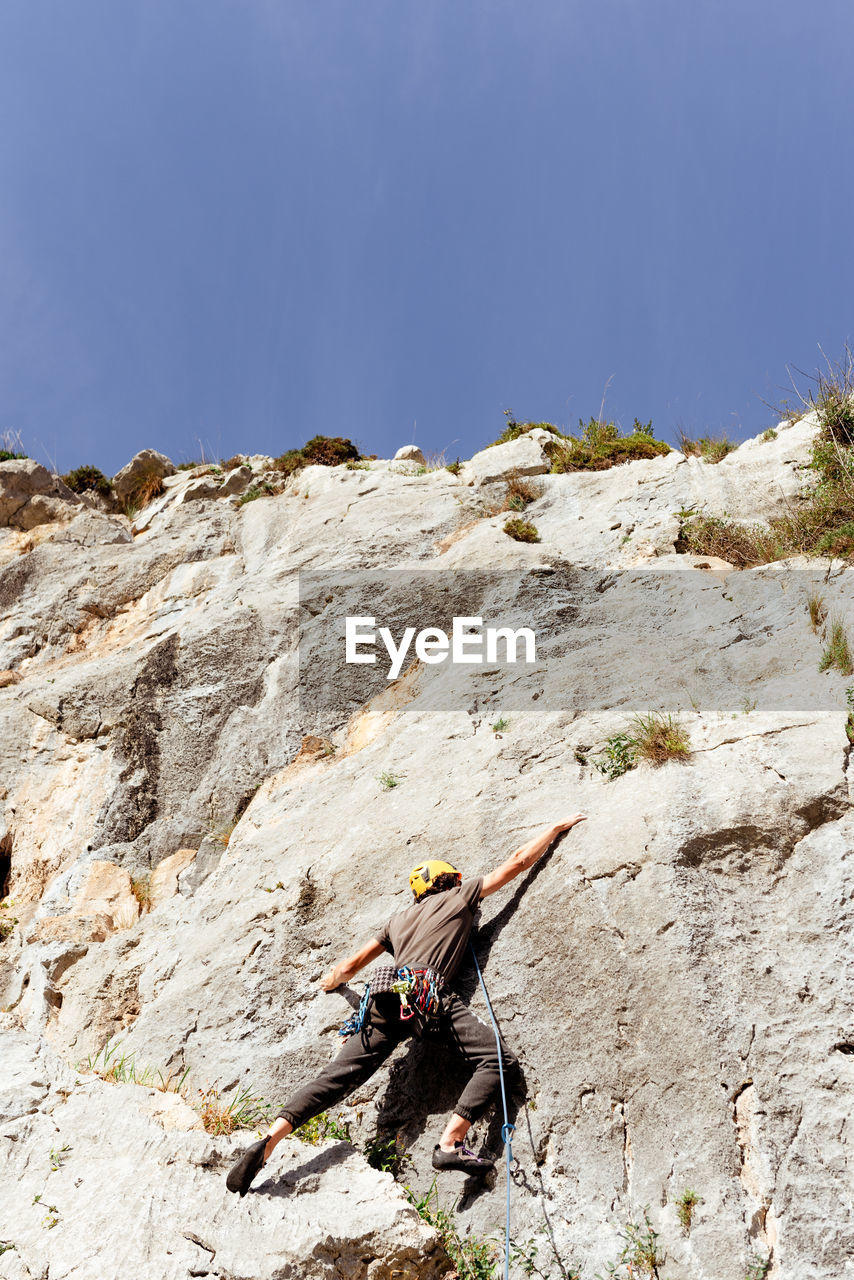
(366, 1051)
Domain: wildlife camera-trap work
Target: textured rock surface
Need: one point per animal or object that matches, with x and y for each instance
(676, 977)
(117, 1181)
(31, 496)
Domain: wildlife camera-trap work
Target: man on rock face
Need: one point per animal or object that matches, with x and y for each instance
(428, 941)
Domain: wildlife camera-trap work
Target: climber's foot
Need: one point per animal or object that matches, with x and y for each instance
(461, 1157)
(242, 1173)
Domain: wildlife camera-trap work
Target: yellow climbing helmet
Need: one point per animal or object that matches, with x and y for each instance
(423, 877)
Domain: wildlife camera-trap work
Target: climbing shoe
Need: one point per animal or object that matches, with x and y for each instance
(461, 1158)
(242, 1173)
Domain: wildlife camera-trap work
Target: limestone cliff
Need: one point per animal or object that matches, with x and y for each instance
(175, 713)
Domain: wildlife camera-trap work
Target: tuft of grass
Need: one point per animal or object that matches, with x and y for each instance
(520, 492)
(321, 1128)
(817, 610)
(501, 725)
(473, 1259)
(88, 479)
(837, 651)
(140, 887)
(837, 542)
(244, 1110)
(709, 448)
(262, 490)
(602, 445)
(454, 467)
(147, 486)
(742, 545)
(685, 1206)
(521, 530)
(120, 1068)
(388, 781)
(770, 434)
(658, 737)
(821, 521)
(849, 723)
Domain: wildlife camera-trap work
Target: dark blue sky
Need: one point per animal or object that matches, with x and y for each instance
(248, 221)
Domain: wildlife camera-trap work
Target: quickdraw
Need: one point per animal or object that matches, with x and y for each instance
(419, 991)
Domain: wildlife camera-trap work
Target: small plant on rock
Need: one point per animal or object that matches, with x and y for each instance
(659, 737)
(685, 1206)
(321, 1128)
(757, 1267)
(244, 1110)
(473, 1259)
(388, 781)
(837, 651)
(387, 1153)
(709, 448)
(88, 480)
(501, 725)
(640, 1257)
(140, 887)
(521, 530)
(618, 756)
(817, 610)
(770, 434)
(849, 723)
(454, 467)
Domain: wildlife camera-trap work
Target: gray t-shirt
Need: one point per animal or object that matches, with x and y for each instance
(433, 934)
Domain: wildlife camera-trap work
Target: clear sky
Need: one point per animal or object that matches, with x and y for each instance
(244, 222)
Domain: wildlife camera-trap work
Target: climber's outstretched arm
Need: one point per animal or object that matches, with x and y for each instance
(526, 856)
(344, 970)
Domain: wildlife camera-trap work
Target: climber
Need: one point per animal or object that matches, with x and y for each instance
(427, 941)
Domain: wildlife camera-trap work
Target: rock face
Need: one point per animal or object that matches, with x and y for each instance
(30, 495)
(675, 976)
(118, 1180)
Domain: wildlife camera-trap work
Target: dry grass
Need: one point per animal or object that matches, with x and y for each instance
(147, 487)
(140, 887)
(817, 610)
(709, 448)
(837, 651)
(658, 737)
(243, 1111)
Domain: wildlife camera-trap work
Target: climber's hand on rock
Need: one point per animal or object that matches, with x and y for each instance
(573, 821)
(330, 980)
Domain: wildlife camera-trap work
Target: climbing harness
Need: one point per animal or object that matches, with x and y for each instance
(507, 1129)
(419, 991)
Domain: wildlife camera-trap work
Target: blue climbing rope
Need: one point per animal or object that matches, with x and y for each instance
(507, 1129)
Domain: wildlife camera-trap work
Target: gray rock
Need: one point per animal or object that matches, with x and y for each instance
(524, 456)
(147, 463)
(31, 496)
(410, 453)
(675, 977)
(79, 1155)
